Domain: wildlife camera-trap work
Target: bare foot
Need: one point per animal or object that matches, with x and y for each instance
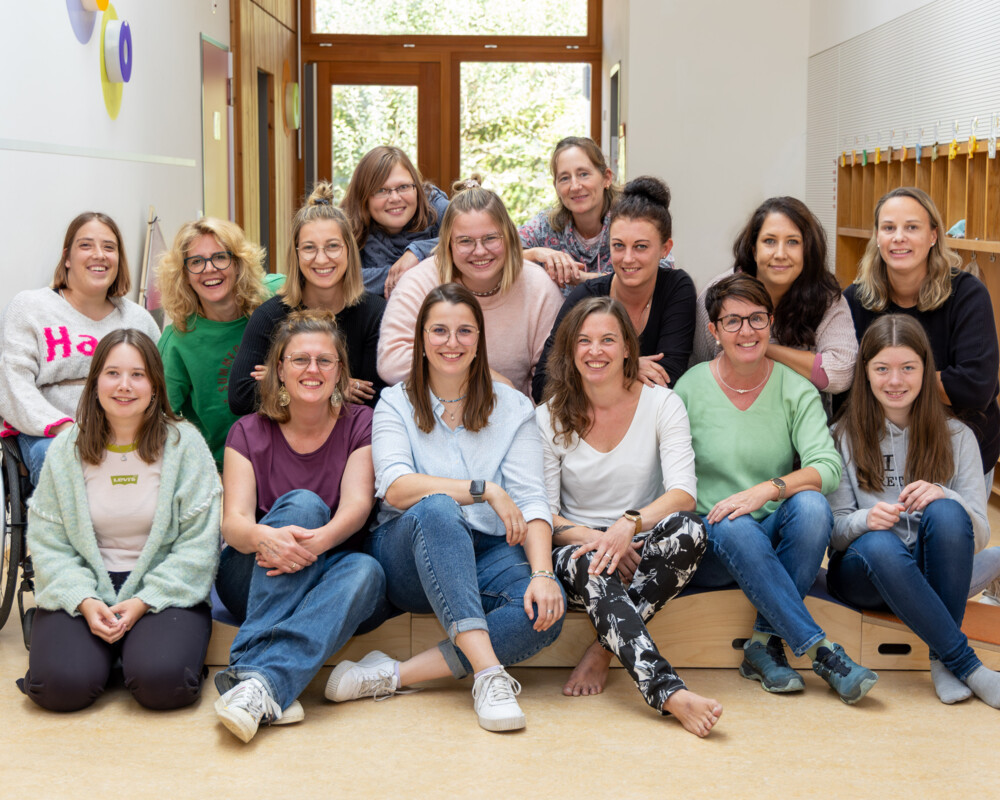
(696, 713)
(590, 674)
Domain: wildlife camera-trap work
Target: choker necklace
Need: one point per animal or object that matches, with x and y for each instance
(124, 449)
(451, 414)
(490, 293)
(718, 372)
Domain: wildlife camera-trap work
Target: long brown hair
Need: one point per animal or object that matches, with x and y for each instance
(861, 421)
(123, 280)
(480, 398)
(309, 320)
(180, 300)
(568, 405)
(317, 207)
(559, 215)
(369, 175)
(942, 261)
(95, 432)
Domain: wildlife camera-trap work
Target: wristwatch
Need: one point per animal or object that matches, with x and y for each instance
(477, 489)
(634, 516)
(780, 484)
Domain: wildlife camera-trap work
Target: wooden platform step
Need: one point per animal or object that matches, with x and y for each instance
(697, 630)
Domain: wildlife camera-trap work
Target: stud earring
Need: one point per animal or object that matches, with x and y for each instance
(283, 397)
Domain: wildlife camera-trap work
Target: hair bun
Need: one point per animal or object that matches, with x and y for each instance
(653, 189)
(321, 195)
(474, 181)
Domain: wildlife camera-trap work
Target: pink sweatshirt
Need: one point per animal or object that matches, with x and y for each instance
(517, 323)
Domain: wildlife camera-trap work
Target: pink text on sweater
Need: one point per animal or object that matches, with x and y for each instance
(86, 345)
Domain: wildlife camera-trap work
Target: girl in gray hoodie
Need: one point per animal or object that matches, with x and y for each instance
(910, 510)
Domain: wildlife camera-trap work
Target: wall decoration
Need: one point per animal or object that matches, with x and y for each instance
(291, 119)
(82, 15)
(115, 55)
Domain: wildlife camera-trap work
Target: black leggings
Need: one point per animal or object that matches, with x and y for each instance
(162, 657)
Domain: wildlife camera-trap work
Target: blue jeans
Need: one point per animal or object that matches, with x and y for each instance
(33, 450)
(296, 621)
(775, 562)
(925, 587)
(434, 561)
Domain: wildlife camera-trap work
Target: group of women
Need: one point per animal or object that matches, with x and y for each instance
(676, 441)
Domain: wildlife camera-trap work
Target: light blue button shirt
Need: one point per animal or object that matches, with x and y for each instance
(508, 451)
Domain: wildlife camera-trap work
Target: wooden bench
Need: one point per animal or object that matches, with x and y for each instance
(699, 629)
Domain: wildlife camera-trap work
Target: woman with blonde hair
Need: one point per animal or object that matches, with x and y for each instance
(479, 250)
(212, 280)
(47, 336)
(908, 268)
(124, 535)
(394, 214)
(324, 272)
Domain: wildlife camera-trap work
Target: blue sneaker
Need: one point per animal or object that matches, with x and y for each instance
(851, 681)
(767, 664)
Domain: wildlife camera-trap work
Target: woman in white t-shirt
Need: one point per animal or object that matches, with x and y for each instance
(619, 473)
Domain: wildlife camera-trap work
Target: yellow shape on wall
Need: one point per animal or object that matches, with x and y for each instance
(112, 91)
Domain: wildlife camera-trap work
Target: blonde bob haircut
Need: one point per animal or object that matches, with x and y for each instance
(122, 282)
(942, 261)
(180, 300)
(310, 320)
(468, 196)
(318, 207)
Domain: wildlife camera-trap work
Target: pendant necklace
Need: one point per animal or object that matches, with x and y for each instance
(718, 372)
(451, 414)
(123, 449)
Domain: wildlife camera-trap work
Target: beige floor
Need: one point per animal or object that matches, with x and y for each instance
(898, 743)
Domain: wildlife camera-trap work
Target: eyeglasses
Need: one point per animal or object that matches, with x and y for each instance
(733, 323)
(467, 244)
(440, 334)
(308, 252)
(386, 192)
(220, 261)
(324, 361)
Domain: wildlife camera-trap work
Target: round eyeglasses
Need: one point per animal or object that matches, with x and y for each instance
(197, 264)
(733, 323)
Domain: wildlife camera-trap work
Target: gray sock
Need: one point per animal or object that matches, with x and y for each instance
(986, 684)
(949, 688)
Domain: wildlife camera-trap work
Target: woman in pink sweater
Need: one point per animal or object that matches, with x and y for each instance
(478, 248)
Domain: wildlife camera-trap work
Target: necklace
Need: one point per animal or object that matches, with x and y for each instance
(124, 449)
(645, 308)
(718, 372)
(451, 414)
(490, 293)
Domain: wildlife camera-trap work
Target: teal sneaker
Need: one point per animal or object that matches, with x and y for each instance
(767, 664)
(851, 681)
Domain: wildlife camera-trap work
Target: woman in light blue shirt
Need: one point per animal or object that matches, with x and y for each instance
(465, 528)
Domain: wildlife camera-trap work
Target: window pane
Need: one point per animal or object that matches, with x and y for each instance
(363, 117)
(512, 116)
(452, 17)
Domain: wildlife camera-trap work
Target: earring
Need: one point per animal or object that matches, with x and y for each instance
(337, 397)
(718, 343)
(283, 397)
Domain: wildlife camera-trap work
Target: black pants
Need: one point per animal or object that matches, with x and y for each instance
(162, 658)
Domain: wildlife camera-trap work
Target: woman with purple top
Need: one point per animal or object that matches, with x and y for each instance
(299, 485)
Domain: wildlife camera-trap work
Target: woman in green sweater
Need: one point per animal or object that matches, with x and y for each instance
(123, 529)
(768, 522)
(212, 280)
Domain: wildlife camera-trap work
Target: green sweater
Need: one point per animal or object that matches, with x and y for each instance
(735, 449)
(177, 564)
(197, 363)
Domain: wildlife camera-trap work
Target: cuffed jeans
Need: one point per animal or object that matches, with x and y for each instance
(925, 586)
(296, 621)
(434, 562)
(774, 561)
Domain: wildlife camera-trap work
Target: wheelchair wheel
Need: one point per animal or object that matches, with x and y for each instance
(11, 532)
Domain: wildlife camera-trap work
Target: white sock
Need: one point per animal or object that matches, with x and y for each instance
(949, 688)
(986, 684)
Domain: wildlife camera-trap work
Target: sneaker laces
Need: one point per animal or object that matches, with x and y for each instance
(833, 662)
(255, 699)
(380, 685)
(499, 687)
(776, 650)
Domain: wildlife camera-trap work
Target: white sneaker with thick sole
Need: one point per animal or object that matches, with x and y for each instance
(245, 706)
(991, 594)
(372, 676)
(494, 697)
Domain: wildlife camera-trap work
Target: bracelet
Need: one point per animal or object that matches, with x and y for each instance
(542, 573)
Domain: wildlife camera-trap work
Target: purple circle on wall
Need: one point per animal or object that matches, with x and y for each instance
(80, 20)
(125, 52)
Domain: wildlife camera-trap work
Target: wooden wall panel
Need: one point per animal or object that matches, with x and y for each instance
(284, 11)
(264, 43)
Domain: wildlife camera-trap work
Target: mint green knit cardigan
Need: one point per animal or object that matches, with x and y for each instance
(177, 564)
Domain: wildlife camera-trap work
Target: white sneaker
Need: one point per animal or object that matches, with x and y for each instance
(494, 697)
(245, 706)
(294, 713)
(991, 594)
(372, 676)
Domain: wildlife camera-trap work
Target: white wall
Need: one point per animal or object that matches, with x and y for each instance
(615, 43)
(52, 101)
(716, 107)
(832, 22)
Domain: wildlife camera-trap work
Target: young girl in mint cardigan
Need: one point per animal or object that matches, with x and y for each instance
(123, 529)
